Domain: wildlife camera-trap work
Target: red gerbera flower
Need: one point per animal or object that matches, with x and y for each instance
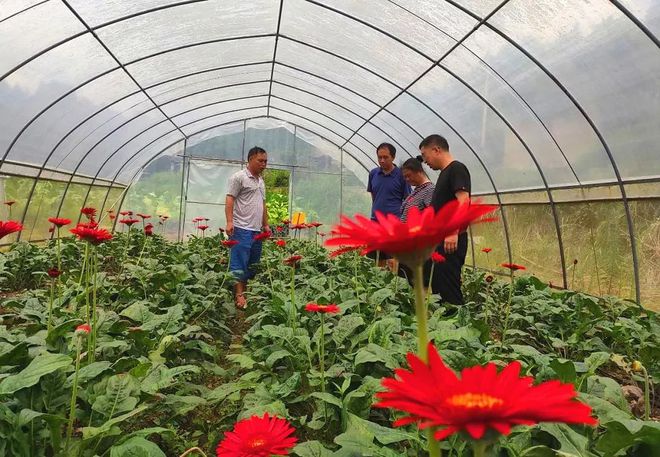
(293, 260)
(279, 228)
(54, 272)
(149, 230)
(89, 225)
(229, 243)
(326, 309)
(9, 227)
(83, 329)
(315, 224)
(51, 229)
(322, 234)
(95, 236)
(344, 250)
(299, 226)
(489, 279)
(412, 241)
(486, 250)
(10, 202)
(258, 437)
(263, 236)
(112, 217)
(128, 222)
(436, 257)
(202, 227)
(143, 216)
(166, 217)
(513, 266)
(124, 213)
(480, 399)
(281, 243)
(286, 221)
(89, 212)
(59, 221)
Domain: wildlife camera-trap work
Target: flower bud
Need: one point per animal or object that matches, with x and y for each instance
(637, 366)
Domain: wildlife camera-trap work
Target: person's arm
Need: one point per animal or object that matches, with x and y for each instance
(461, 185)
(264, 218)
(229, 214)
(407, 190)
(369, 188)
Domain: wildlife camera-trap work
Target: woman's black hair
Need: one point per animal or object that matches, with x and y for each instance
(413, 164)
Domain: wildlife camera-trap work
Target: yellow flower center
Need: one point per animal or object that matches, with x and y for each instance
(256, 442)
(472, 401)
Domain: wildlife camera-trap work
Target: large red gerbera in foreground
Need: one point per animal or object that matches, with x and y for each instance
(9, 227)
(412, 241)
(480, 399)
(258, 437)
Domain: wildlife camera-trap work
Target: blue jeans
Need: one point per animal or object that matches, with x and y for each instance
(244, 254)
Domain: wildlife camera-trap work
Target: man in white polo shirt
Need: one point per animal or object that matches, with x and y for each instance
(245, 209)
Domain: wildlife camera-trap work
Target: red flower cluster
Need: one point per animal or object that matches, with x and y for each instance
(344, 250)
(325, 309)
(9, 227)
(229, 243)
(281, 243)
(293, 260)
(92, 235)
(436, 257)
(89, 212)
(129, 222)
(258, 437)
(263, 236)
(83, 329)
(480, 400)
(59, 221)
(513, 266)
(412, 241)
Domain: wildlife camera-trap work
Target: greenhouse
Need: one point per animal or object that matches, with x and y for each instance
(155, 301)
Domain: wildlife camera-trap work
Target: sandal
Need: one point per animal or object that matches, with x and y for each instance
(241, 302)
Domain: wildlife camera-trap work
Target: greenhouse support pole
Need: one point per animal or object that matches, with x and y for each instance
(341, 181)
(183, 176)
(186, 172)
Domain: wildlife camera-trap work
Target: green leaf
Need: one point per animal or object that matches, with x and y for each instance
(182, 404)
(384, 435)
(378, 297)
(538, 451)
(27, 415)
(137, 312)
(224, 390)
(243, 360)
(596, 359)
(40, 366)
(604, 410)
(374, 353)
(161, 377)
(621, 435)
(136, 447)
(120, 395)
(89, 433)
(14, 354)
(90, 372)
(565, 369)
(312, 449)
(328, 398)
(275, 356)
(345, 327)
(570, 441)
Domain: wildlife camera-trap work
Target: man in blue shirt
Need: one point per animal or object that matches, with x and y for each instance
(387, 188)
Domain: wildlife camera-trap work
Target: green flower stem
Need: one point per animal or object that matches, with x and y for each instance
(647, 394)
(423, 339)
(50, 305)
(144, 246)
(322, 353)
(294, 311)
(74, 394)
(507, 312)
(479, 448)
(59, 250)
(95, 266)
(430, 289)
(84, 265)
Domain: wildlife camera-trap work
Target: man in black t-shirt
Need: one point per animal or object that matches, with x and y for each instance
(453, 184)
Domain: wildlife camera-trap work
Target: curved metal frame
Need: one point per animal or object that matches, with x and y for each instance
(481, 22)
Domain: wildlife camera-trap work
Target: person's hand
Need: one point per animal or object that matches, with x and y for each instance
(230, 229)
(450, 244)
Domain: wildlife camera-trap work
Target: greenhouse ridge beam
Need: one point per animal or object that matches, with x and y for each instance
(272, 68)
